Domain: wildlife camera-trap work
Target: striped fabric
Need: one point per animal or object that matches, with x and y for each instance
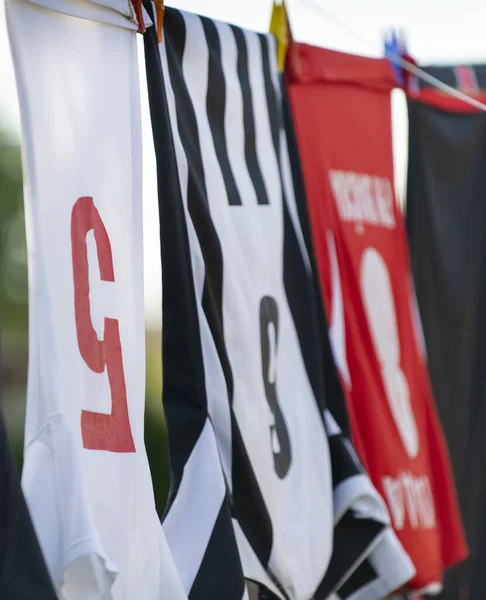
(382, 566)
(260, 490)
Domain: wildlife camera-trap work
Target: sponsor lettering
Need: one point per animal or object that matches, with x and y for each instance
(410, 498)
(363, 199)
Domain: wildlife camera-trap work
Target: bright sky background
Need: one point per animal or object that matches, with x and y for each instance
(438, 31)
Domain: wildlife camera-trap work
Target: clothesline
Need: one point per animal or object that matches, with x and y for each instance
(397, 59)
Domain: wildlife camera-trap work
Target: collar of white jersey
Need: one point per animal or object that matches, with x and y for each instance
(112, 12)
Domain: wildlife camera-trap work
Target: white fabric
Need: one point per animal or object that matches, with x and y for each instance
(111, 12)
(93, 508)
(254, 570)
(391, 564)
(337, 327)
(188, 533)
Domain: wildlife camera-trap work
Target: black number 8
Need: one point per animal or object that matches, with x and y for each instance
(279, 435)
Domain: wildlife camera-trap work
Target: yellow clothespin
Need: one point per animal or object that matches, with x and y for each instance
(279, 26)
(159, 17)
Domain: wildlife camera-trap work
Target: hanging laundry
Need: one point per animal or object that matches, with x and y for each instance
(23, 572)
(322, 369)
(341, 108)
(252, 494)
(470, 80)
(446, 219)
(86, 476)
(386, 567)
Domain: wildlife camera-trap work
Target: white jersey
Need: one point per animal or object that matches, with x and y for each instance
(86, 475)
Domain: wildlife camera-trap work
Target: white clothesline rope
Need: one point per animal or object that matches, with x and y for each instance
(397, 59)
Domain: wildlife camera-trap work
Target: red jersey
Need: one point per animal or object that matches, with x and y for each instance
(342, 115)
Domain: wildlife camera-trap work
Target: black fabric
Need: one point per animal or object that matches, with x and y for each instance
(249, 123)
(327, 373)
(23, 573)
(358, 579)
(448, 75)
(345, 463)
(350, 568)
(351, 545)
(181, 344)
(446, 222)
(215, 105)
(229, 577)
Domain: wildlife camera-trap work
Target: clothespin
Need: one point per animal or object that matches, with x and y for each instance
(395, 45)
(137, 6)
(279, 26)
(159, 18)
(393, 48)
(410, 84)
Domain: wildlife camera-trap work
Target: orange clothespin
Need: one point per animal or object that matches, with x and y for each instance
(159, 17)
(279, 26)
(137, 6)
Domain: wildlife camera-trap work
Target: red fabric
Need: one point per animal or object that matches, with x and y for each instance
(465, 82)
(342, 114)
(444, 101)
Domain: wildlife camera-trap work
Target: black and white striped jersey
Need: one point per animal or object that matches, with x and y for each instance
(255, 475)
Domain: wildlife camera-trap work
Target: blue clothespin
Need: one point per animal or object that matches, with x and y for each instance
(395, 46)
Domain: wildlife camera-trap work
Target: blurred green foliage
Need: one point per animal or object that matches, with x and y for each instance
(13, 289)
(14, 327)
(156, 438)
(13, 255)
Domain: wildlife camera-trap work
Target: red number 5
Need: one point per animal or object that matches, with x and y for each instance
(100, 431)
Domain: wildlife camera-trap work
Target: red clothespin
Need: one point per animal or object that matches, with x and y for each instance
(137, 6)
(159, 17)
